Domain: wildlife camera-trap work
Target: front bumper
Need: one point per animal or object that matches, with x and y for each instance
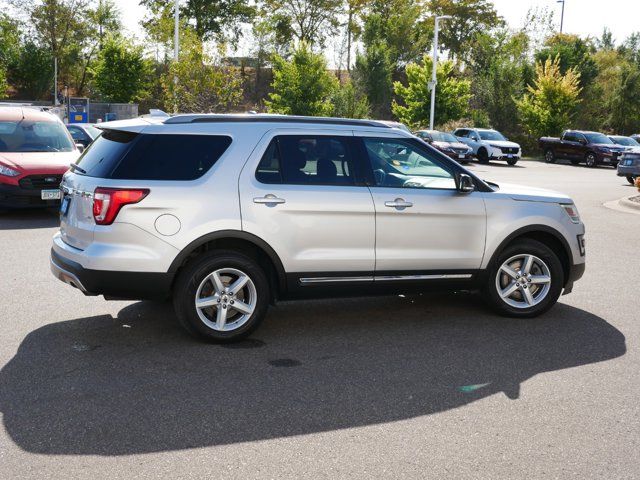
(459, 157)
(13, 196)
(498, 154)
(112, 284)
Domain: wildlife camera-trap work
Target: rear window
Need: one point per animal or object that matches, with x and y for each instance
(131, 156)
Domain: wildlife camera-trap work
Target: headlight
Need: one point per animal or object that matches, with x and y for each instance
(604, 149)
(8, 172)
(572, 211)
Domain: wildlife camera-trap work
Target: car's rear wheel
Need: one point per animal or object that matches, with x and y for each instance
(549, 156)
(631, 179)
(591, 160)
(525, 280)
(221, 296)
(483, 156)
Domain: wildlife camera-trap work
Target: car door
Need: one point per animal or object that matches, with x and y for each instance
(301, 192)
(570, 146)
(423, 224)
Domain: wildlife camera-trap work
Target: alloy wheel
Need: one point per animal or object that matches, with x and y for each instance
(226, 299)
(523, 281)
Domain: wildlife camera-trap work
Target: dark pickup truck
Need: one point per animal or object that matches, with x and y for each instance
(578, 146)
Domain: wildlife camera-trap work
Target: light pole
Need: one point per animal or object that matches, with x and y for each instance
(176, 37)
(561, 14)
(434, 82)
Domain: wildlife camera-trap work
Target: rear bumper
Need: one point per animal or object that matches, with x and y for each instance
(13, 196)
(624, 170)
(114, 284)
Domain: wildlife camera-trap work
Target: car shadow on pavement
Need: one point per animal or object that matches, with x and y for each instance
(28, 219)
(136, 383)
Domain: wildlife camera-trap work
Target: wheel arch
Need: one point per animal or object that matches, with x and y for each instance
(242, 242)
(543, 234)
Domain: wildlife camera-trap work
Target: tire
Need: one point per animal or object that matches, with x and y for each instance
(591, 160)
(198, 280)
(545, 263)
(549, 156)
(483, 156)
(615, 165)
(575, 161)
(512, 161)
(631, 179)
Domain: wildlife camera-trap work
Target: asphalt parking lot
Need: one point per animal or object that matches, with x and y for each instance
(396, 387)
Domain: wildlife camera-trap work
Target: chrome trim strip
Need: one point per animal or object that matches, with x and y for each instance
(445, 276)
(66, 276)
(386, 278)
(335, 279)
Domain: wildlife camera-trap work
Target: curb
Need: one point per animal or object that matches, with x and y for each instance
(625, 202)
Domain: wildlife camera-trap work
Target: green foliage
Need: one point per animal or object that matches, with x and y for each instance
(121, 72)
(624, 103)
(308, 21)
(548, 106)
(197, 84)
(301, 86)
(9, 48)
(373, 73)
(32, 72)
(452, 94)
(573, 53)
(348, 102)
(470, 17)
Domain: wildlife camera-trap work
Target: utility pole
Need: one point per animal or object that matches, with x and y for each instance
(561, 14)
(434, 81)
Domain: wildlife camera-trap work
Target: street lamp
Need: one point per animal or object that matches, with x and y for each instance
(433, 82)
(561, 14)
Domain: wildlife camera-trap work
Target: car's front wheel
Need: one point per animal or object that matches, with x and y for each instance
(483, 155)
(591, 160)
(221, 296)
(549, 156)
(631, 179)
(525, 280)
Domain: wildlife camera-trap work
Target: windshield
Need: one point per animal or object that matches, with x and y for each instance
(490, 135)
(597, 138)
(626, 141)
(443, 137)
(93, 131)
(30, 136)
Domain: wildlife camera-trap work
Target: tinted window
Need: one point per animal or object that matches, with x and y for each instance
(34, 136)
(461, 133)
(570, 137)
(131, 156)
(297, 159)
(401, 163)
(598, 138)
(78, 134)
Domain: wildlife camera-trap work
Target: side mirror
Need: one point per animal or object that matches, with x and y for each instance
(465, 183)
(80, 147)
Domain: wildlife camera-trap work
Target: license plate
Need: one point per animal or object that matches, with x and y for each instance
(460, 156)
(50, 194)
(64, 206)
(510, 156)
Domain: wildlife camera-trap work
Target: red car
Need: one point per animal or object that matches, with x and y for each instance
(35, 151)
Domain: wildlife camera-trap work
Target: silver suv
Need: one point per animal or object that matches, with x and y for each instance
(226, 214)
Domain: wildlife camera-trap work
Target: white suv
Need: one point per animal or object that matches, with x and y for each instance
(229, 213)
(489, 145)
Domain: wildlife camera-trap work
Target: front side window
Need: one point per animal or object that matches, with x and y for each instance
(34, 136)
(402, 163)
(304, 159)
(571, 137)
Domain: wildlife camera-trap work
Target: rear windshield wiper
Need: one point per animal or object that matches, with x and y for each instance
(75, 167)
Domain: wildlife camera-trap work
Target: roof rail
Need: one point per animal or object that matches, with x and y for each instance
(270, 118)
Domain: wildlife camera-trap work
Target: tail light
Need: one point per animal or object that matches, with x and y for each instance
(107, 202)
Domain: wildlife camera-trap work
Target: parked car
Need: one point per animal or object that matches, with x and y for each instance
(392, 124)
(629, 165)
(489, 145)
(229, 213)
(35, 151)
(83, 133)
(579, 146)
(447, 144)
(636, 137)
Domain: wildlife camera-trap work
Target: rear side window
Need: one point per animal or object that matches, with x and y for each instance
(130, 156)
(307, 159)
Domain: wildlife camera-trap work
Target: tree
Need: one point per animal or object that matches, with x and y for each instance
(308, 21)
(624, 104)
(374, 73)
(32, 72)
(212, 20)
(121, 71)
(348, 102)
(301, 86)
(9, 48)
(452, 94)
(573, 53)
(469, 17)
(549, 104)
(196, 84)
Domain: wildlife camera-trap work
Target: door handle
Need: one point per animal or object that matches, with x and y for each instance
(269, 199)
(398, 203)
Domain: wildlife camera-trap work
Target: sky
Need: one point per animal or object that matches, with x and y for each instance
(582, 17)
